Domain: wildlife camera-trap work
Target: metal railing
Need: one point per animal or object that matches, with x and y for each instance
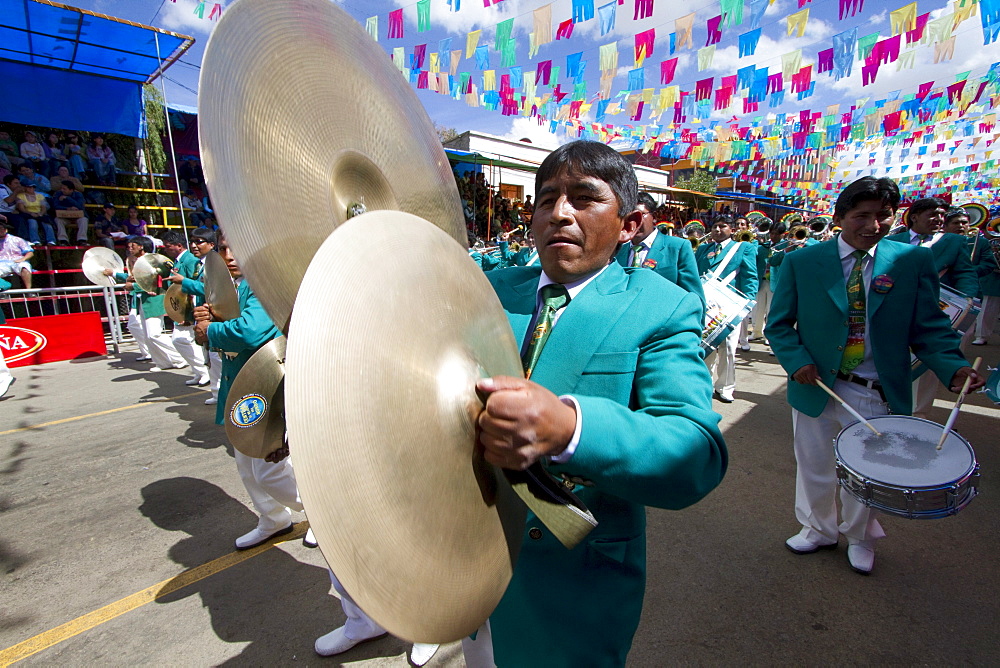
(76, 299)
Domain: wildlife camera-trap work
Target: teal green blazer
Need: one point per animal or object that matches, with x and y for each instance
(187, 265)
(627, 348)
(774, 261)
(673, 260)
(243, 335)
(807, 323)
(745, 259)
(152, 305)
(985, 263)
(951, 256)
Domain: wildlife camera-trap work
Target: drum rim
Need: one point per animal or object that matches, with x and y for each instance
(969, 472)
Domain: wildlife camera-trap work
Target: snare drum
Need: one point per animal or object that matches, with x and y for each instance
(726, 308)
(902, 472)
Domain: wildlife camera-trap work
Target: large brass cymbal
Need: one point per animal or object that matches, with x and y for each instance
(382, 361)
(149, 269)
(255, 407)
(220, 291)
(96, 260)
(301, 117)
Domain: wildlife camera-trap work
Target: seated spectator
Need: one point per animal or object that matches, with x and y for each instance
(206, 207)
(62, 174)
(33, 153)
(68, 207)
(9, 148)
(29, 175)
(14, 254)
(194, 209)
(55, 153)
(8, 202)
(75, 154)
(190, 174)
(102, 161)
(135, 226)
(5, 166)
(34, 210)
(108, 228)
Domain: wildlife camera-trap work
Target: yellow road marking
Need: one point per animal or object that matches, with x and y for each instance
(107, 412)
(88, 621)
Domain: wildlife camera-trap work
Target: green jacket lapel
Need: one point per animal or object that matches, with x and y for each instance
(581, 329)
(832, 272)
(885, 258)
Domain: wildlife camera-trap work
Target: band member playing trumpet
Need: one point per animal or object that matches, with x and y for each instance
(618, 405)
(738, 261)
(764, 252)
(954, 267)
(848, 312)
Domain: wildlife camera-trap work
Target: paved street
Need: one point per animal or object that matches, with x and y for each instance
(128, 488)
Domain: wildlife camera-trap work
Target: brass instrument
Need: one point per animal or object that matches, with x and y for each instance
(799, 233)
(745, 235)
(696, 241)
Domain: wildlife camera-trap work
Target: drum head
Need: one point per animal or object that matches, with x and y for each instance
(906, 454)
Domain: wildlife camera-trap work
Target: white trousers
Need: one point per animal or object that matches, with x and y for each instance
(359, 625)
(925, 387)
(271, 488)
(81, 228)
(987, 319)
(479, 652)
(182, 339)
(745, 331)
(152, 341)
(722, 364)
(763, 305)
(214, 372)
(816, 473)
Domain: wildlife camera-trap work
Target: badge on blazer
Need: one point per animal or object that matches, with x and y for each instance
(649, 264)
(248, 411)
(882, 284)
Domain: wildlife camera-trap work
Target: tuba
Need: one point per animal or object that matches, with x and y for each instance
(745, 235)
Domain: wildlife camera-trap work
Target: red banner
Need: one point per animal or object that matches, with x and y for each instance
(52, 338)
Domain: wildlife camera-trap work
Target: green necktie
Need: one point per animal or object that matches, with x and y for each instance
(923, 238)
(554, 297)
(636, 262)
(854, 350)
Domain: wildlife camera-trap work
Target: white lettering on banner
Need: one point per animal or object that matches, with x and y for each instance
(15, 343)
(19, 342)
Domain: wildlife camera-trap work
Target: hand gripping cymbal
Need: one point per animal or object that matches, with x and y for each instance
(302, 120)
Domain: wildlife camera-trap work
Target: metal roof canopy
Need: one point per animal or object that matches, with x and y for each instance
(49, 34)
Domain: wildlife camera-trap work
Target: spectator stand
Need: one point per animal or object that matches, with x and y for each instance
(47, 49)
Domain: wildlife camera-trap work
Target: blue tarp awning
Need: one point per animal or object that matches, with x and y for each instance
(58, 57)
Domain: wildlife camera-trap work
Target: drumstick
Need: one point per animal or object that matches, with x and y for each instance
(845, 405)
(958, 404)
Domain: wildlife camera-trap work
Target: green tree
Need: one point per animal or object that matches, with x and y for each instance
(699, 182)
(446, 134)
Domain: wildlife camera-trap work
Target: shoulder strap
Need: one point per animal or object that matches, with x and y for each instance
(725, 261)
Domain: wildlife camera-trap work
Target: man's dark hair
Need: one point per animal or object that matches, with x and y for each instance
(924, 204)
(8, 178)
(68, 184)
(647, 201)
(867, 189)
(173, 238)
(955, 212)
(591, 158)
(145, 242)
(204, 234)
(778, 227)
(109, 205)
(724, 220)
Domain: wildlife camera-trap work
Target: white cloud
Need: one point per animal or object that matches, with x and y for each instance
(179, 16)
(538, 134)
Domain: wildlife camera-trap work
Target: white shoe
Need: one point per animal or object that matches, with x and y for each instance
(745, 347)
(143, 358)
(193, 381)
(979, 341)
(182, 366)
(799, 544)
(258, 537)
(309, 540)
(155, 368)
(337, 642)
(861, 558)
(422, 653)
(6, 380)
(211, 401)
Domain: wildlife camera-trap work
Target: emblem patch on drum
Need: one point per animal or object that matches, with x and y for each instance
(248, 411)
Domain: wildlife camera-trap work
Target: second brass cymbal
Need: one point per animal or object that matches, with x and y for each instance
(255, 407)
(299, 89)
(177, 304)
(220, 291)
(382, 362)
(149, 269)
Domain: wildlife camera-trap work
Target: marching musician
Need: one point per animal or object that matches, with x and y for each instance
(764, 252)
(617, 405)
(984, 253)
(925, 220)
(186, 265)
(654, 248)
(725, 257)
(847, 312)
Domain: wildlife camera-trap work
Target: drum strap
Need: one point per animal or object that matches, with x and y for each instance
(725, 262)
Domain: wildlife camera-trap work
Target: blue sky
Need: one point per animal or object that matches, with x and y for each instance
(970, 53)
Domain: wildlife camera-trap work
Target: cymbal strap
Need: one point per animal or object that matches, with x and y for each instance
(561, 511)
